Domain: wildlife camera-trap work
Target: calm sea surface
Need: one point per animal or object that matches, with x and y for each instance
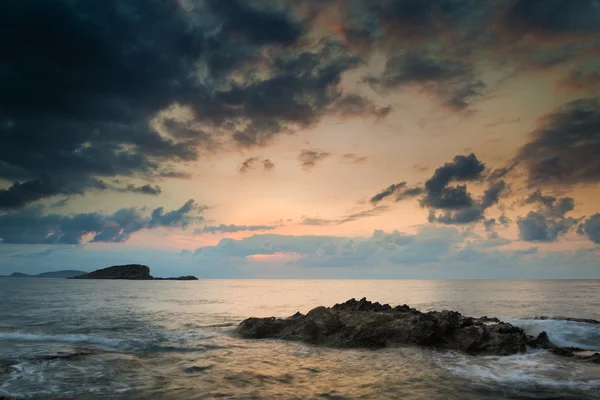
(172, 340)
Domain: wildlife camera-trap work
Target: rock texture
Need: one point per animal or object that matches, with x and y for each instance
(373, 325)
(129, 272)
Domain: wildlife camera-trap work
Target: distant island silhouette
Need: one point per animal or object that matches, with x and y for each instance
(128, 272)
(68, 273)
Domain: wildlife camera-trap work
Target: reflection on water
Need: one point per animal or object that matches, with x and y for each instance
(172, 340)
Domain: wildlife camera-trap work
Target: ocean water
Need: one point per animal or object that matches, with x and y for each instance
(173, 340)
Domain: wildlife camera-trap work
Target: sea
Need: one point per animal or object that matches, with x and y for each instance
(99, 339)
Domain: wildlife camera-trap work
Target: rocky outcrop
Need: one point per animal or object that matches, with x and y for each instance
(129, 272)
(179, 278)
(373, 325)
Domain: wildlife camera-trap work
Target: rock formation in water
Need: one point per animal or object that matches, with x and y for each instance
(129, 272)
(373, 325)
(179, 278)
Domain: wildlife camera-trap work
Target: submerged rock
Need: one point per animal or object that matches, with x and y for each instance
(373, 325)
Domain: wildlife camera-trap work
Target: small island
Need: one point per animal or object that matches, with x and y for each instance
(52, 274)
(129, 272)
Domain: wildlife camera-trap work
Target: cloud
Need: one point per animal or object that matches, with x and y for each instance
(452, 81)
(548, 222)
(268, 165)
(372, 212)
(537, 227)
(565, 145)
(250, 164)
(428, 246)
(461, 169)
(555, 17)
(409, 193)
(309, 158)
(260, 26)
(352, 105)
(578, 81)
(353, 158)
(390, 190)
(247, 165)
(550, 204)
(125, 89)
(233, 228)
(31, 226)
(456, 203)
(591, 228)
(21, 193)
(144, 189)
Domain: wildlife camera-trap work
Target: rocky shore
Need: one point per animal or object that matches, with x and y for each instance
(373, 325)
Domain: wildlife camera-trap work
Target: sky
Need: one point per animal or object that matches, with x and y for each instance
(404, 139)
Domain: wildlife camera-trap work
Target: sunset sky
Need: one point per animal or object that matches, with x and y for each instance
(426, 139)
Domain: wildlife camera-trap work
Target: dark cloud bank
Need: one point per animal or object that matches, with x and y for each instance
(32, 226)
(81, 82)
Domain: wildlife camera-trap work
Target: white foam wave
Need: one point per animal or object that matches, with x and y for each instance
(563, 333)
(71, 338)
(534, 369)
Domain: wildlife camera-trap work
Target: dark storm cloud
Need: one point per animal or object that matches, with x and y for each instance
(19, 194)
(353, 105)
(475, 211)
(591, 228)
(455, 203)
(309, 158)
(390, 190)
(538, 227)
(406, 22)
(81, 82)
(549, 221)
(565, 146)
(552, 205)
(234, 228)
(461, 169)
(31, 226)
(553, 17)
(453, 81)
(144, 189)
(409, 193)
(260, 26)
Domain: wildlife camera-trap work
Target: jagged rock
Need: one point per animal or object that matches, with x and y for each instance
(372, 325)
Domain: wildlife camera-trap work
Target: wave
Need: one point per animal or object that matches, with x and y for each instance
(533, 369)
(61, 338)
(563, 332)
